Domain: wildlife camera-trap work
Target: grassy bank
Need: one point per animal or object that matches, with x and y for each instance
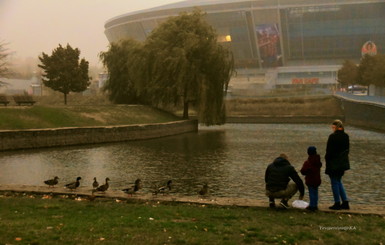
(41, 116)
(280, 106)
(49, 112)
(45, 220)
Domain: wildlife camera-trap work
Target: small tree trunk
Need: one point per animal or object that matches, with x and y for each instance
(65, 98)
(185, 110)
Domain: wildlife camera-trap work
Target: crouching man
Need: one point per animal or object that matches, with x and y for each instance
(277, 178)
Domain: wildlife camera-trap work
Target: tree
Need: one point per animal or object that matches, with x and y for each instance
(123, 62)
(378, 75)
(3, 62)
(348, 73)
(366, 70)
(187, 65)
(64, 72)
(180, 63)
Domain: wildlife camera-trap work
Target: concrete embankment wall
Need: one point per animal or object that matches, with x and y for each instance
(283, 119)
(364, 114)
(37, 138)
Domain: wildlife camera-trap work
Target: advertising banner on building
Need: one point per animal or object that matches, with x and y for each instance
(269, 45)
(305, 80)
(369, 48)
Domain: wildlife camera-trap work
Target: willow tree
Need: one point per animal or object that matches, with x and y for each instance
(124, 62)
(186, 65)
(64, 72)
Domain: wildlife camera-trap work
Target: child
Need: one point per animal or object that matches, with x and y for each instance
(311, 169)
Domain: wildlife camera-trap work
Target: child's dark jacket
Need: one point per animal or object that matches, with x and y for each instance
(312, 170)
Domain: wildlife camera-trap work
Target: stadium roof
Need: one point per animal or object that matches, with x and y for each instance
(221, 5)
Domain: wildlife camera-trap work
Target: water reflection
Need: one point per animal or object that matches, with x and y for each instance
(231, 158)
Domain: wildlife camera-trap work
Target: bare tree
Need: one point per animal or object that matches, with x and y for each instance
(4, 53)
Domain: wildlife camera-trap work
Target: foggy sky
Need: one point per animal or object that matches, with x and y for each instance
(35, 26)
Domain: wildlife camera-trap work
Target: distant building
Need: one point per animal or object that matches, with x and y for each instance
(320, 77)
(16, 86)
(102, 80)
(285, 42)
(13, 86)
(36, 85)
(92, 89)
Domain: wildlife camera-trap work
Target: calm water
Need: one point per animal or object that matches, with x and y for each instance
(232, 159)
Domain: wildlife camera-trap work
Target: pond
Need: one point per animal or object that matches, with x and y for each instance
(231, 158)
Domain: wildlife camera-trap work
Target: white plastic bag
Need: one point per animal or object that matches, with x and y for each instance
(300, 204)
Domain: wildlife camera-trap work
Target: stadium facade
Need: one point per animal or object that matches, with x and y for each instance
(287, 42)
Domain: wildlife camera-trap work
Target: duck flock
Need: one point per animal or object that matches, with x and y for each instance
(164, 189)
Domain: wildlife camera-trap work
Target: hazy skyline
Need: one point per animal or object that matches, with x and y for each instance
(35, 26)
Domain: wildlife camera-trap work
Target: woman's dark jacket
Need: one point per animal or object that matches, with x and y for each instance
(337, 150)
(278, 175)
(312, 170)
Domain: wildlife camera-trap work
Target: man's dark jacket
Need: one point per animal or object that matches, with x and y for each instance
(278, 175)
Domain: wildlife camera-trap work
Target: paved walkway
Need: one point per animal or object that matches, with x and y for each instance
(376, 100)
(84, 193)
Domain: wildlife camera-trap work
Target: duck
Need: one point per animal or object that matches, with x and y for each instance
(164, 189)
(102, 188)
(204, 190)
(74, 185)
(52, 182)
(133, 189)
(95, 184)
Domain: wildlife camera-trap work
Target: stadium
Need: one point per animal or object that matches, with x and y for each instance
(276, 43)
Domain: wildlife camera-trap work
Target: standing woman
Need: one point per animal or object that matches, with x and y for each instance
(337, 162)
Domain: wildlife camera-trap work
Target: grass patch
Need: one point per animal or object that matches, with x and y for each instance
(34, 220)
(96, 111)
(296, 106)
(79, 116)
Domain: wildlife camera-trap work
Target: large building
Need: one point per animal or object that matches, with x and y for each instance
(288, 42)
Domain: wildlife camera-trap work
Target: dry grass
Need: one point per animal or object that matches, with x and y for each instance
(73, 99)
(296, 106)
(54, 116)
(34, 219)
(98, 110)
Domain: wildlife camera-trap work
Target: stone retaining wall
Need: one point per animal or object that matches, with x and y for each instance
(364, 114)
(38, 138)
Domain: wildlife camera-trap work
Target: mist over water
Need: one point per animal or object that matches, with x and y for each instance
(232, 159)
